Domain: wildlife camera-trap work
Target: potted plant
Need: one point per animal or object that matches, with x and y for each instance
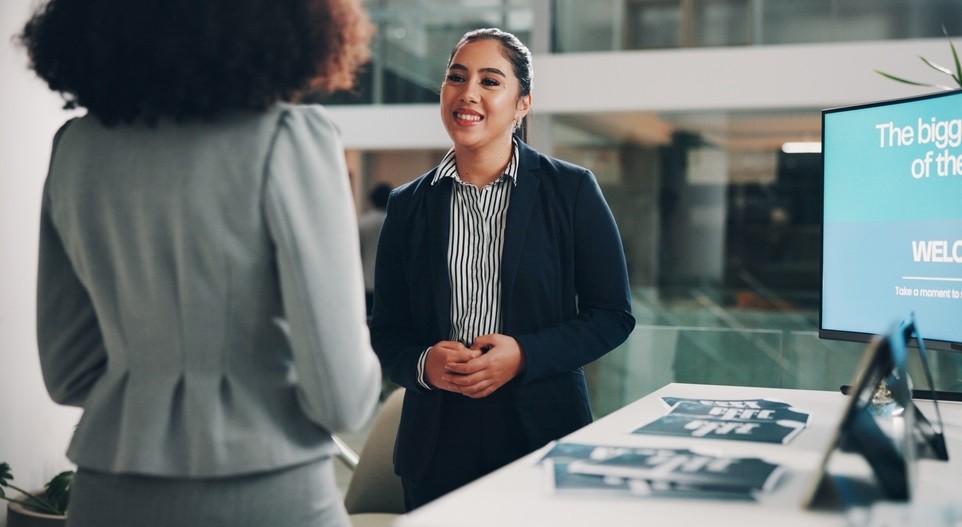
(955, 75)
(45, 508)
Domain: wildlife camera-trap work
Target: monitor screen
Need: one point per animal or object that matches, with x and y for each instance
(892, 225)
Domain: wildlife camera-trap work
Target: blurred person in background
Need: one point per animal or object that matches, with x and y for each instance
(369, 228)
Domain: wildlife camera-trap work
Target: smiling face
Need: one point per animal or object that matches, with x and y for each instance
(480, 97)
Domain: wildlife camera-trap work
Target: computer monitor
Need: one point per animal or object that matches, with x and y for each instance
(892, 224)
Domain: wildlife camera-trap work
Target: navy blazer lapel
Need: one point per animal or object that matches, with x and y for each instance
(523, 198)
(438, 202)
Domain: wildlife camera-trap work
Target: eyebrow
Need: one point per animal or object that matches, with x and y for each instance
(496, 71)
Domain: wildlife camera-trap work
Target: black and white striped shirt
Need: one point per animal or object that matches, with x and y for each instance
(475, 241)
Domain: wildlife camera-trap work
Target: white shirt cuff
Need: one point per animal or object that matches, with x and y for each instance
(421, 361)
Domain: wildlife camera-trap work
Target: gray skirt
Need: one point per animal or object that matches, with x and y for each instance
(300, 496)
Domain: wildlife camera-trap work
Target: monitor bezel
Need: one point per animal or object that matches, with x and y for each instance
(855, 336)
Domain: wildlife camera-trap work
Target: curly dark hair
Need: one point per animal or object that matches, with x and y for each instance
(130, 60)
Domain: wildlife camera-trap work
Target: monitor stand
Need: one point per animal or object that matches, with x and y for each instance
(922, 395)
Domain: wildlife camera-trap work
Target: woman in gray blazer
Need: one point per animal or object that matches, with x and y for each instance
(199, 289)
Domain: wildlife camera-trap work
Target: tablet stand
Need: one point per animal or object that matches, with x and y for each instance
(891, 455)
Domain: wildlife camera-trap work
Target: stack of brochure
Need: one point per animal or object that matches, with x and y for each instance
(761, 420)
(575, 468)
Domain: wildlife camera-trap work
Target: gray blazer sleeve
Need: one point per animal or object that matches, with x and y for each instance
(72, 351)
(311, 219)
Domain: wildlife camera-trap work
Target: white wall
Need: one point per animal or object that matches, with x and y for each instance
(795, 77)
(34, 432)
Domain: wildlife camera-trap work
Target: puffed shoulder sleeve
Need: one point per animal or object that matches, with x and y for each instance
(311, 218)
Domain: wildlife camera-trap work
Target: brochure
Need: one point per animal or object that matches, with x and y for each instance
(760, 420)
(561, 481)
(737, 410)
(685, 467)
(583, 469)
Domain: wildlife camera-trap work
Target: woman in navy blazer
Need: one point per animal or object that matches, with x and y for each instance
(562, 294)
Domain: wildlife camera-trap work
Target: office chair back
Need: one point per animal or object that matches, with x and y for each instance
(374, 487)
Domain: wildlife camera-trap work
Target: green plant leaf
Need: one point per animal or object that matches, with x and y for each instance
(955, 75)
(59, 485)
(5, 476)
(937, 67)
(900, 79)
(955, 57)
(57, 490)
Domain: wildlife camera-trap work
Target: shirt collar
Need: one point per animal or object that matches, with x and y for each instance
(448, 168)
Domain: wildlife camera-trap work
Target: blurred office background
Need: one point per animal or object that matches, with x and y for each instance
(680, 107)
(701, 119)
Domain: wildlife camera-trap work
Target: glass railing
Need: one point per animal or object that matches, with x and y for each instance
(757, 349)
(414, 37)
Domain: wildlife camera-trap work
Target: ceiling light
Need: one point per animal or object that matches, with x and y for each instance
(802, 147)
